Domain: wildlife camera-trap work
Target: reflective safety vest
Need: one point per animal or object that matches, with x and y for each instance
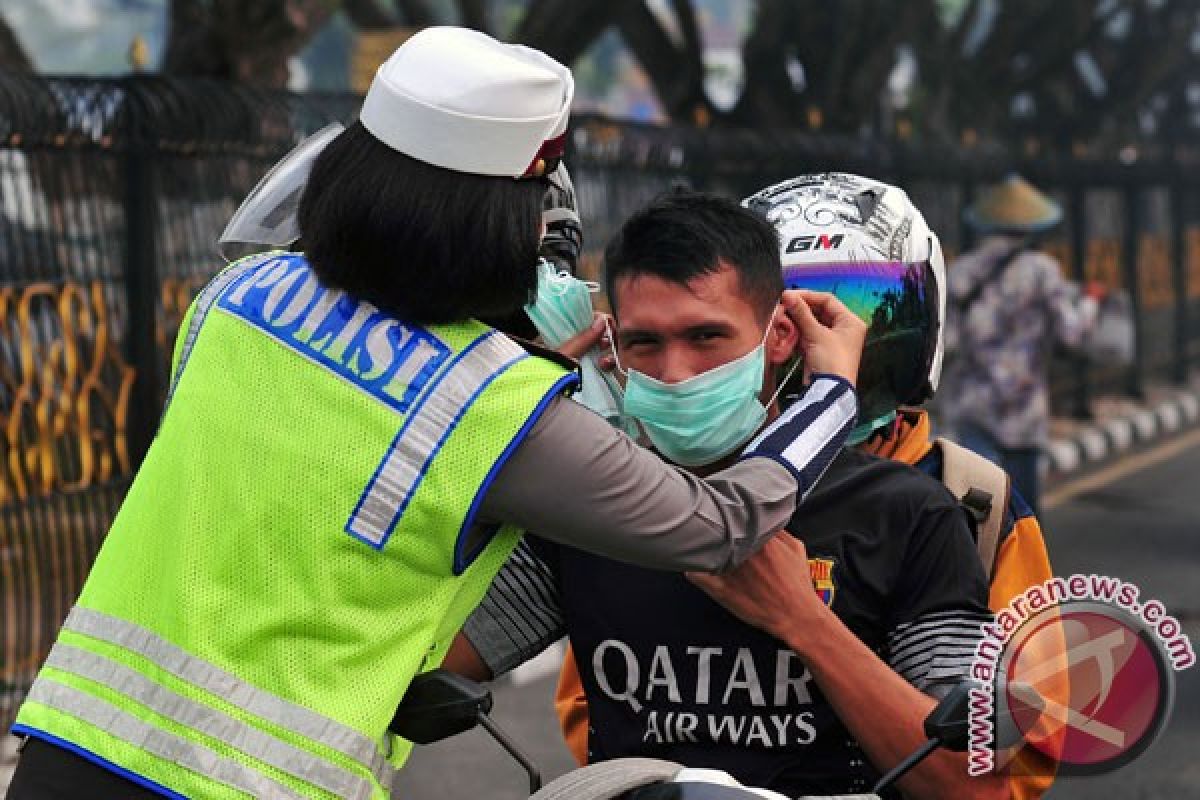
(297, 545)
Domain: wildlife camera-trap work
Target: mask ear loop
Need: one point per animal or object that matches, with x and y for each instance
(779, 389)
(796, 362)
(559, 281)
(612, 346)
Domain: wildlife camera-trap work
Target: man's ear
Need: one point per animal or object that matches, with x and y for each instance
(782, 338)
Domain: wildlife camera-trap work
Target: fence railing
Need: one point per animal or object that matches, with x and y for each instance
(112, 194)
(1129, 225)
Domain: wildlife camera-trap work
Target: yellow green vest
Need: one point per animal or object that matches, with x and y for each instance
(297, 545)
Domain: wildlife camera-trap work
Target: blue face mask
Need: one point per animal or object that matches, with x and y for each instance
(702, 419)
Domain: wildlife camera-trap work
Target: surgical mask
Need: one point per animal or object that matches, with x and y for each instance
(863, 432)
(562, 310)
(702, 419)
(563, 306)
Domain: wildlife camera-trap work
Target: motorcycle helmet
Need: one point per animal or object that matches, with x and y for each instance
(865, 242)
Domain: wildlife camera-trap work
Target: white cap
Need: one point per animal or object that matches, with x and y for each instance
(458, 99)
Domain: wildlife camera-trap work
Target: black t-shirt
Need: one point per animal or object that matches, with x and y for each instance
(668, 673)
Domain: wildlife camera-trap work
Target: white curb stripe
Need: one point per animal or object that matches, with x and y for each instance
(1120, 431)
(1145, 423)
(1170, 417)
(1064, 455)
(1093, 444)
(1100, 441)
(1190, 406)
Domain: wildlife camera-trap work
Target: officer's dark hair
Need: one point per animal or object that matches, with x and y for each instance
(683, 234)
(429, 245)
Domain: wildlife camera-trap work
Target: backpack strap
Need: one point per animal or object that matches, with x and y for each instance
(993, 274)
(983, 488)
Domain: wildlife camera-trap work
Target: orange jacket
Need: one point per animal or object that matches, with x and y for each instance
(1021, 562)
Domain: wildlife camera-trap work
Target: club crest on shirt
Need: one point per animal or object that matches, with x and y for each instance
(821, 570)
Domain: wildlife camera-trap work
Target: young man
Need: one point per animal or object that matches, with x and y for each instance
(900, 370)
(816, 709)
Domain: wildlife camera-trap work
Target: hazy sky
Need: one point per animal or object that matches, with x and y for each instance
(85, 36)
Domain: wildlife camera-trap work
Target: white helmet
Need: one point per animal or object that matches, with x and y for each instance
(866, 242)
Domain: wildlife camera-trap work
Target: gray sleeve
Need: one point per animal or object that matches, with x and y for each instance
(578, 481)
(520, 615)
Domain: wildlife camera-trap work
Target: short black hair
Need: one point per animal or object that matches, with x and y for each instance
(427, 244)
(683, 234)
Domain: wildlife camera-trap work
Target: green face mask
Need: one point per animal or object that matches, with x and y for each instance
(863, 432)
(563, 309)
(706, 417)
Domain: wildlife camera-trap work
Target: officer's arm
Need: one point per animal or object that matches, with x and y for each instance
(577, 481)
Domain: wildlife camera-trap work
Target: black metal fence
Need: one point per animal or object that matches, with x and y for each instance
(112, 194)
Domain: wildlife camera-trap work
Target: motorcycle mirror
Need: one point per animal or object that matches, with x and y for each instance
(948, 722)
(438, 705)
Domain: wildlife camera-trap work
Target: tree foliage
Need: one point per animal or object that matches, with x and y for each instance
(1056, 72)
(12, 55)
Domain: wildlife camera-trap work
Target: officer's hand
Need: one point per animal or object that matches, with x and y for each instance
(771, 590)
(831, 336)
(581, 343)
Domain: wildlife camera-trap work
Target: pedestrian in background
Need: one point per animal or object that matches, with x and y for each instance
(1008, 305)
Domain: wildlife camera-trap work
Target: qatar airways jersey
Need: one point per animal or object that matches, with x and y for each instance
(668, 673)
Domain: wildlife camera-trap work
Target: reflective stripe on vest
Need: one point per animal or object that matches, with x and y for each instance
(428, 426)
(167, 746)
(207, 720)
(214, 680)
(204, 303)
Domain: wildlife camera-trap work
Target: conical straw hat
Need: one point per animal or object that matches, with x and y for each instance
(1013, 206)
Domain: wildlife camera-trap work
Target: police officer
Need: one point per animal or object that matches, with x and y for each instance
(347, 456)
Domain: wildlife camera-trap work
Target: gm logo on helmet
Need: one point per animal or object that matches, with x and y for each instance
(803, 244)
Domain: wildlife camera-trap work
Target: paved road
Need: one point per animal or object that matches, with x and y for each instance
(1144, 527)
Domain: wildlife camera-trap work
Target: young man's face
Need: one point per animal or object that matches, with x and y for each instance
(672, 332)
